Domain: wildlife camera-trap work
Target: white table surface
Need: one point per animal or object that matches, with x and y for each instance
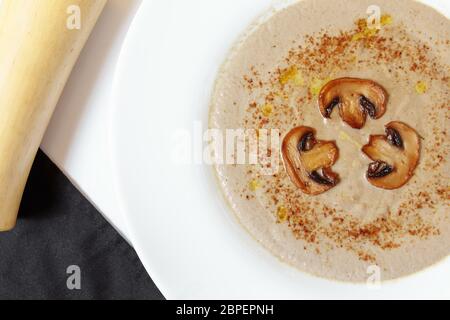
(77, 139)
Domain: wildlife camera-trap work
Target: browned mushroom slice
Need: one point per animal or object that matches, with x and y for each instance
(395, 155)
(308, 161)
(356, 98)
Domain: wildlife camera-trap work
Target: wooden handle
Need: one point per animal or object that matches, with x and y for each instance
(40, 41)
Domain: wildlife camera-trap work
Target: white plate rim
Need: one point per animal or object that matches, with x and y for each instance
(167, 290)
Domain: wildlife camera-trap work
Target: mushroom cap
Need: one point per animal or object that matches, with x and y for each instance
(356, 98)
(402, 157)
(303, 166)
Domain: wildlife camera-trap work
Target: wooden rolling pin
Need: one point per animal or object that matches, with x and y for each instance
(40, 41)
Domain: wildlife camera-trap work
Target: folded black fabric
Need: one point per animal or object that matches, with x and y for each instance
(60, 233)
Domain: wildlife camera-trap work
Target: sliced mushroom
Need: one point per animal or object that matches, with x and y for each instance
(395, 155)
(356, 99)
(308, 161)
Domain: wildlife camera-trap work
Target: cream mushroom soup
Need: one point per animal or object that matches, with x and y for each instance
(363, 115)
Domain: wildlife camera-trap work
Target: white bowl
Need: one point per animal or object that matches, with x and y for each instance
(187, 238)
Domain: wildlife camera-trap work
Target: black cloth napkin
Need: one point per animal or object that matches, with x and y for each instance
(58, 228)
